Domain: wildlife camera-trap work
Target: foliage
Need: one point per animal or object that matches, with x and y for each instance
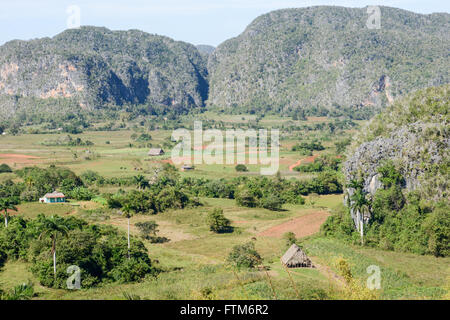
(241, 168)
(291, 61)
(290, 238)
(321, 163)
(5, 168)
(99, 251)
(24, 291)
(81, 193)
(311, 146)
(217, 221)
(244, 256)
(397, 222)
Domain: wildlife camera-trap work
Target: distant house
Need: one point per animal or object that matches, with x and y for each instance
(295, 258)
(54, 197)
(187, 168)
(156, 152)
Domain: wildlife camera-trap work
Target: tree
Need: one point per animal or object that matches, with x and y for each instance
(53, 227)
(5, 168)
(290, 238)
(5, 205)
(244, 197)
(244, 256)
(272, 202)
(217, 221)
(361, 206)
(140, 181)
(148, 229)
(241, 168)
(128, 211)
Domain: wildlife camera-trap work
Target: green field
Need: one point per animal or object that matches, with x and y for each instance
(193, 261)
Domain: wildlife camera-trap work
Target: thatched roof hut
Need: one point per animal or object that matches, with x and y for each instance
(156, 152)
(296, 258)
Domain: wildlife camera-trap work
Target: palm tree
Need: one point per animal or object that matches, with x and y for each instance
(358, 203)
(53, 227)
(140, 181)
(128, 211)
(361, 206)
(5, 205)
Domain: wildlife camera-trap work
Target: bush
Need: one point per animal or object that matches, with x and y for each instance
(245, 198)
(244, 256)
(5, 168)
(272, 202)
(3, 257)
(101, 252)
(81, 193)
(217, 221)
(148, 229)
(437, 227)
(290, 238)
(24, 291)
(241, 168)
(171, 198)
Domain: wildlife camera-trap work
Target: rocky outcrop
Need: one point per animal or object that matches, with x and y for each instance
(326, 57)
(94, 67)
(414, 135)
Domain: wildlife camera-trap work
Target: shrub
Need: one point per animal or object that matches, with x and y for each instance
(5, 168)
(244, 256)
(241, 168)
(148, 230)
(290, 238)
(101, 253)
(272, 202)
(171, 198)
(81, 193)
(245, 198)
(217, 221)
(437, 227)
(24, 291)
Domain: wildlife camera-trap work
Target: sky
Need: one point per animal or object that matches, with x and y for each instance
(195, 21)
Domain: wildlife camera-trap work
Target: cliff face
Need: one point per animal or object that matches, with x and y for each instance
(317, 59)
(326, 57)
(414, 134)
(96, 67)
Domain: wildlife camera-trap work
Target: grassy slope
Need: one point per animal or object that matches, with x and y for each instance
(193, 259)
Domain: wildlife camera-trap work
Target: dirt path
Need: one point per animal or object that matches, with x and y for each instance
(302, 227)
(305, 160)
(11, 158)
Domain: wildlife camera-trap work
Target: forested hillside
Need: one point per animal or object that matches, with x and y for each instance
(325, 58)
(397, 178)
(91, 68)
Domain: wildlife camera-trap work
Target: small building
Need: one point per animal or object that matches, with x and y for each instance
(54, 197)
(156, 152)
(187, 168)
(296, 258)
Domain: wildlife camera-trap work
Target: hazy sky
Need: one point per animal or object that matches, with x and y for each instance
(196, 21)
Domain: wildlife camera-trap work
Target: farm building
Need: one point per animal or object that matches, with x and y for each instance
(187, 168)
(54, 197)
(296, 258)
(156, 152)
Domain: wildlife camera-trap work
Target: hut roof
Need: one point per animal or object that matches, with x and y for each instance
(54, 194)
(295, 257)
(155, 152)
